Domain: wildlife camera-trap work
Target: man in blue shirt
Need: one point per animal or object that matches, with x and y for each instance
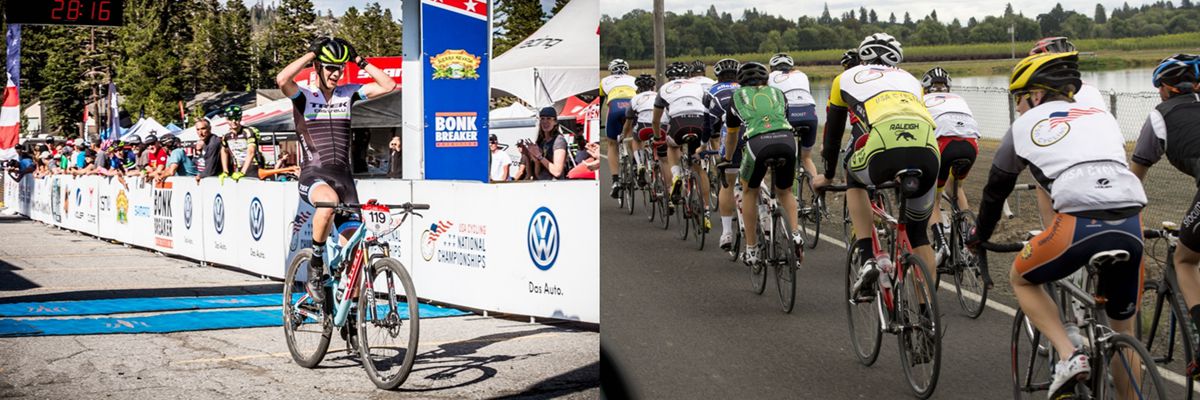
(178, 162)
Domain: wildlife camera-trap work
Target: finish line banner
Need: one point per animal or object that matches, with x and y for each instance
(454, 43)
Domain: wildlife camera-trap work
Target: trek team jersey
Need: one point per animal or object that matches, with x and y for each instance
(615, 87)
(794, 85)
(952, 115)
(324, 126)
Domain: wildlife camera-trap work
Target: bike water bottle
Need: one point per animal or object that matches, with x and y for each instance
(885, 271)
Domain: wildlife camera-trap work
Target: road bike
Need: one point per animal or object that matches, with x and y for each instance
(371, 298)
(776, 239)
(811, 210)
(1114, 357)
(691, 211)
(627, 177)
(1169, 327)
(656, 190)
(971, 279)
(901, 302)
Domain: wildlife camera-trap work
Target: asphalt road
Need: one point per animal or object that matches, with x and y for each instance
(459, 357)
(683, 323)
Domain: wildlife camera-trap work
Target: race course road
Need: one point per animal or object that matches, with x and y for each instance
(469, 356)
(683, 323)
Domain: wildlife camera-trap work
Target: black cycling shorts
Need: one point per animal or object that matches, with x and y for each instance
(765, 147)
(956, 148)
(1187, 230)
(683, 127)
(342, 182)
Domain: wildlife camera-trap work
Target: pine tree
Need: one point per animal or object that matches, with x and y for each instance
(521, 19)
(290, 34)
(1101, 17)
(862, 15)
(62, 101)
(892, 19)
(874, 19)
(204, 55)
(148, 73)
(236, 53)
(907, 19)
(933, 15)
(558, 5)
(373, 32)
(825, 19)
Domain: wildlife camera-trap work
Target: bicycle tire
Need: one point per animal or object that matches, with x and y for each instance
(736, 249)
(847, 227)
(303, 357)
(804, 210)
(783, 255)
(916, 283)
(758, 272)
(698, 213)
(1120, 350)
(1032, 373)
(968, 274)
(392, 269)
(664, 202)
(683, 209)
(652, 191)
(869, 326)
(1177, 330)
(629, 191)
(816, 215)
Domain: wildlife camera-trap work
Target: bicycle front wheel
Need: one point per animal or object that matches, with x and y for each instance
(783, 255)
(920, 327)
(388, 322)
(307, 324)
(863, 314)
(1131, 371)
(758, 271)
(1032, 355)
(804, 211)
(969, 280)
(698, 213)
(816, 214)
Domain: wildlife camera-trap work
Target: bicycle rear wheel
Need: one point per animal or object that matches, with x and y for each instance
(698, 212)
(1127, 361)
(816, 214)
(1032, 356)
(683, 210)
(628, 186)
(783, 255)
(664, 201)
(652, 189)
(388, 322)
(969, 279)
(920, 335)
(736, 250)
(1165, 333)
(863, 314)
(307, 324)
(758, 271)
(804, 210)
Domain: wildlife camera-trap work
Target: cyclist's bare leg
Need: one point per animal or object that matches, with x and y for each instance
(725, 205)
(963, 204)
(612, 154)
(1042, 312)
(925, 252)
(673, 155)
(703, 178)
(787, 200)
(323, 216)
(807, 162)
(750, 214)
(860, 212)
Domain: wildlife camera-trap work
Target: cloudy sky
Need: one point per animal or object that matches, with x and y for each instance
(793, 9)
(340, 6)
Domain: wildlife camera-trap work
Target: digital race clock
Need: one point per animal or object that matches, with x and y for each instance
(66, 12)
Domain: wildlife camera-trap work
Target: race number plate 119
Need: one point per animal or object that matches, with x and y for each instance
(378, 218)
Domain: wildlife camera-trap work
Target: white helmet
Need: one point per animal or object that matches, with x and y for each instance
(782, 62)
(618, 66)
(880, 48)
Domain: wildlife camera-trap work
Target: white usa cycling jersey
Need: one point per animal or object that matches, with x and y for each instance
(794, 86)
(1090, 95)
(952, 115)
(682, 97)
(704, 81)
(621, 86)
(643, 106)
(1077, 153)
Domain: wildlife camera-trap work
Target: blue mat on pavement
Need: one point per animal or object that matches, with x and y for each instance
(137, 305)
(172, 322)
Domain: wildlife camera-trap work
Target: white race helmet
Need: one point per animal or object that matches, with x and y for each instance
(782, 61)
(880, 48)
(618, 66)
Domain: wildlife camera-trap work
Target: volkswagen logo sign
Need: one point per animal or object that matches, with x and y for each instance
(219, 214)
(257, 219)
(543, 239)
(187, 210)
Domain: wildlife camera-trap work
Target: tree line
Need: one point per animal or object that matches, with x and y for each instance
(631, 35)
(168, 49)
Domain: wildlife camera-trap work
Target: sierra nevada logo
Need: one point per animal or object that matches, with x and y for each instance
(122, 207)
(455, 64)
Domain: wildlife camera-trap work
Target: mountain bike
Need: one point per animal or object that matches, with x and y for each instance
(1114, 357)
(901, 302)
(371, 290)
(1164, 333)
(691, 211)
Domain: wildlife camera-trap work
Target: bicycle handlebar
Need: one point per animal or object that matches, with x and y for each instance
(405, 206)
(1002, 247)
(1025, 186)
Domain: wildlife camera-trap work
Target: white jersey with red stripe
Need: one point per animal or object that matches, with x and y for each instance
(643, 105)
(952, 115)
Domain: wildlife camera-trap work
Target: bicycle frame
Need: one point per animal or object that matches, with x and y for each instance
(902, 248)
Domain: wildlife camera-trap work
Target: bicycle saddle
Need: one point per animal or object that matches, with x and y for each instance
(910, 181)
(1108, 257)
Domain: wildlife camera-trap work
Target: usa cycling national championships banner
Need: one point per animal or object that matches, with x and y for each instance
(454, 41)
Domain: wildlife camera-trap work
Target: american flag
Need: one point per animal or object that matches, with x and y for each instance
(10, 112)
(1061, 117)
(436, 230)
(472, 8)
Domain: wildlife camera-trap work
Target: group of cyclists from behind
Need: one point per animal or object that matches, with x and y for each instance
(1090, 196)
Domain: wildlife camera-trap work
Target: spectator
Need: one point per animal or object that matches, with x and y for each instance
(43, 163)
(208, 155)
(285, 159)
(178, 162)
(89, 163)
(79, 157)
(395, 167)
(24, 164)
(586, 168)
(156, 156)
(550, 141)
(500, 160)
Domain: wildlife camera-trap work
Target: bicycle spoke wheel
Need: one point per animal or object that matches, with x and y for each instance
(1164, 332)
(664, 201)
(804, 210)
(388, 323)
(683, 211)
(783, 256)
(815, 216)
(863, 312)
(1031, 359)
(651, 196)
(736, 250)
(698, 212)
(921, 331)
(307, 324)
(1132, 373)
(758, 272)
(969, 279)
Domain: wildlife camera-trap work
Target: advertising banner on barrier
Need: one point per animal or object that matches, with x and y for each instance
(18, 195)
(186, 218)
(110, 223)
(454, 39)
(261, 227)
(298, 233)
(81, 204)
(139, 212)
(394, 192)
(222, 243)
(452, 242)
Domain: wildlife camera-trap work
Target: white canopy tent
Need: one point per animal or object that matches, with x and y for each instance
(220, 126)
(558, 61)
(143, 128)
(515, 110)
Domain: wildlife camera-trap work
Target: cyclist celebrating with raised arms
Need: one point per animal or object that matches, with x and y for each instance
(801, 108)
(898, 135)
(722, 93)
(1076, 153)
(615, 92)
(957, 134)
(686, 103)
(1172, 129)
(322, 117)
(762, 110)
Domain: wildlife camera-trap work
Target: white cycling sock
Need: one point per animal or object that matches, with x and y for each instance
(676, 171)
(727, 224)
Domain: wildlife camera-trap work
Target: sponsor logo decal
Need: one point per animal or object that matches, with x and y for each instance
(455, 64)
(543, 240)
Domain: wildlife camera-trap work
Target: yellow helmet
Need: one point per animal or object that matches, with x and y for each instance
(1049, 71)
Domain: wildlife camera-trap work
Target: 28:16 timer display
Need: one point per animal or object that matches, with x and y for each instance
(66, 12)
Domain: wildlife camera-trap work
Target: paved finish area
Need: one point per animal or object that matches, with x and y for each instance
(683, 323)
(460, 357)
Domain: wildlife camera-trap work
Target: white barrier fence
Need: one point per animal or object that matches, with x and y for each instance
(528, 248)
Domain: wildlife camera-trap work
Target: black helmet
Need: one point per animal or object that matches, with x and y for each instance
(726, 65)
(882, 49)
(1176, 69)
(233, 111)
(678, 70)
(850, 58)
(752, 74)
(150, 139)
(782, 62)
(169, 140)
(1058, 44)
(134, 140)
(935, 75)
(698, 67)
(644, 81)
(335, 51)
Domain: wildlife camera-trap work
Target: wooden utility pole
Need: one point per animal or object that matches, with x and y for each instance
(660, 43)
